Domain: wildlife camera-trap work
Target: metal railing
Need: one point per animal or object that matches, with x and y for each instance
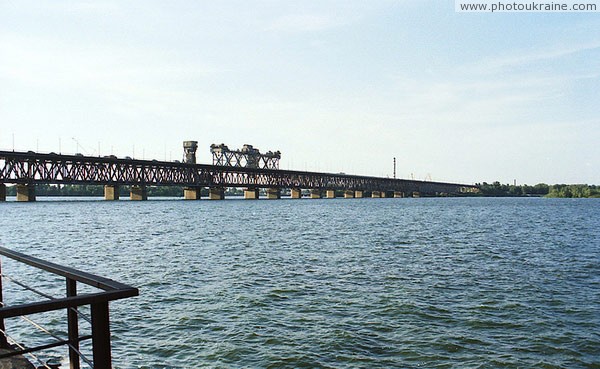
(98, 302)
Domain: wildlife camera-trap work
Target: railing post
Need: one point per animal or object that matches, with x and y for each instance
(3, 341)
(73, 327)
(101, 336)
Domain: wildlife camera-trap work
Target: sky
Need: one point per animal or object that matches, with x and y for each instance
(336, 86)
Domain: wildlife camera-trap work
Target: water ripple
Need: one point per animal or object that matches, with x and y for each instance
(411, 283)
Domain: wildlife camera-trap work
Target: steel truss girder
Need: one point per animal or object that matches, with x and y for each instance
(239, 159)
(31, 168)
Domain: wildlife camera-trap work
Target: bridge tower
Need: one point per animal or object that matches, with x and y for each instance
(189, 149)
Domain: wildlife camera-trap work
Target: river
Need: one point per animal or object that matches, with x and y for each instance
(330, 283)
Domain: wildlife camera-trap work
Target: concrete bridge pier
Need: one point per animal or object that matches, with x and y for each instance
(111, 192)
(26, 192)
(359, 194)
(2, 192)
(138, 193)
(296, 193)
(216, 193)
(191, 193)
(315, 194)
(398, 194)
(416, 194)
(375, 194)
(330, 194)
(251, 193)
(273, 193)
(349, 194)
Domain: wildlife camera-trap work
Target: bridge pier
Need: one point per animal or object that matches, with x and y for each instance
(251, 193)
(296, 193)
(349, 194)
(2, 192)
(375, 194)
(191, 193)
(359, 194)
(216, 193)
(416, 194)
(398, 194)
(26, 192)
(330, 194)
(273, 193)
(111, 192)
(315, 194)
(138, 193)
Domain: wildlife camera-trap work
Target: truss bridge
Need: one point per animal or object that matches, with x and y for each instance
(26, 169)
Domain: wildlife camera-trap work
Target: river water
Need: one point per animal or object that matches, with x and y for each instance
(331, 283)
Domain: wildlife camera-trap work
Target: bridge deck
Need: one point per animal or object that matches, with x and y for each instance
(31, 168)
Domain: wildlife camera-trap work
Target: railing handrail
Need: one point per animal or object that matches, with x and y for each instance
(90, 279)
(11, 311)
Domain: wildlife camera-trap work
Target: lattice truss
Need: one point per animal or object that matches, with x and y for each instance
(247, 157)
(31, 168)
(50, 168)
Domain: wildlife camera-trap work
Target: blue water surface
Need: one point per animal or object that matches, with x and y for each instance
(330, 283)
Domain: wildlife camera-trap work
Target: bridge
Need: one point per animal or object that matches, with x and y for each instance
(26, 169)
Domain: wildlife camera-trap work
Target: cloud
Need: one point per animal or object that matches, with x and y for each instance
(516, 90)
(500, 64)
(59, 66)
(87, 7)
(93, 7)
(304, 23)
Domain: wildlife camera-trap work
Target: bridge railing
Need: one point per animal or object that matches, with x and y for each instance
(97, 301)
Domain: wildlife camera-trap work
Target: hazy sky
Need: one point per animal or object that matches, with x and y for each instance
(337, 86)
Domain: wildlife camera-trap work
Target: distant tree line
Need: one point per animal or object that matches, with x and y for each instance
(495, 189)
(98, 191)
(504, 190)
(578, 190)
(540, 189)
(95, 190)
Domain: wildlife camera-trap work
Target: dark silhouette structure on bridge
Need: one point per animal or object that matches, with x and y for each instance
(25, 169)
(247, 157)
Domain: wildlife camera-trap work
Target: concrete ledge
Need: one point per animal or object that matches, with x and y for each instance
(14, 362)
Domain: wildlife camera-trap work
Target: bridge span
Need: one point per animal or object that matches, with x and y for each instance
(26, 169)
